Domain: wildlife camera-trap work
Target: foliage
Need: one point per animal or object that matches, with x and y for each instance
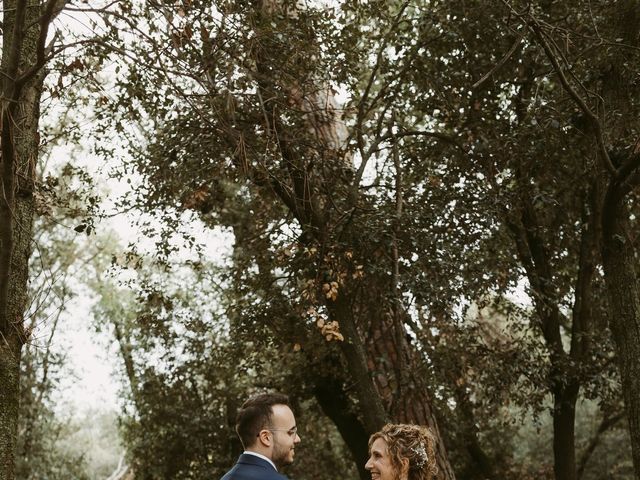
(188, 375)
(457, 170)
(43, 428)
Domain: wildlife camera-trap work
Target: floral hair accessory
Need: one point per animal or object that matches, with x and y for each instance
(421, 456)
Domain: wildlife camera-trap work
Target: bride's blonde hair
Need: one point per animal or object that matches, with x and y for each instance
(414, 443)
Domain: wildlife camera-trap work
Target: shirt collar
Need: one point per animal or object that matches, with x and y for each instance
(248, 452)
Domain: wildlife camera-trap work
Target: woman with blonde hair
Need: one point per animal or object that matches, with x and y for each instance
(402, 452)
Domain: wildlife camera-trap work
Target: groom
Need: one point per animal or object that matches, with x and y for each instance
(267, 429)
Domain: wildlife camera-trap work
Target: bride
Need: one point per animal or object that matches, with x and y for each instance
(402, 452)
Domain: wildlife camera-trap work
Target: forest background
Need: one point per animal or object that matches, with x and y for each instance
(411, 211)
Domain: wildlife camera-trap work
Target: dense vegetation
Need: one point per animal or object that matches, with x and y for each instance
(430, 212)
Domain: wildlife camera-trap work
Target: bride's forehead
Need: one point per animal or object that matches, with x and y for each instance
(379, 445)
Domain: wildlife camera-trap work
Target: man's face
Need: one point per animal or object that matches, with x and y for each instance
(285, 435)
(379, 463)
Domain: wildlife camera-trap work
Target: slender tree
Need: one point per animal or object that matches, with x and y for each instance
(24, 52)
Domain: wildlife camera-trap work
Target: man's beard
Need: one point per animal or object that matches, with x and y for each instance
(281, 455)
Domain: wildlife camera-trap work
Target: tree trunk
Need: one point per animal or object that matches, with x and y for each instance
(9, 404)
(619, 260)
(13, 334)
(335, 405)
(564, 417)
(403, 389)
(619, 256)
(20, 107)
(391, 374)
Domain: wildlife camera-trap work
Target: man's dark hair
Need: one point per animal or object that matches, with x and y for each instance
(255, 415)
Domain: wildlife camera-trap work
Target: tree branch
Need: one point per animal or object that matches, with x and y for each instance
(582, 309)
(372, 77)
(421, 133)
(627, 169)
(398, 322)
(502, 61)
(595, 121)
(51, 9)
(363, 111)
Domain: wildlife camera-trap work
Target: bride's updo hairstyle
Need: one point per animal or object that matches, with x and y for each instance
(414, 443)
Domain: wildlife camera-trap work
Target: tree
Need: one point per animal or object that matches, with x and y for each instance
(524, 159)
(187, 375)
(436, 185)
(608, 122)
(64, 197)
(291, 118)
(24, 52)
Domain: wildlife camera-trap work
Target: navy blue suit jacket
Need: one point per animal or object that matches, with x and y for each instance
(250, 467)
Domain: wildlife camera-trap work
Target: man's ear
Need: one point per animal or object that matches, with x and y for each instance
(264, 437)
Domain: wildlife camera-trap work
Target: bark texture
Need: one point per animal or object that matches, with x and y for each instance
(619, 254)
(21, 85)
(395, 366)
(619, 260)
(9, 394)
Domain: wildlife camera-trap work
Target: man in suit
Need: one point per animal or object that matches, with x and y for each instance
(267, 429)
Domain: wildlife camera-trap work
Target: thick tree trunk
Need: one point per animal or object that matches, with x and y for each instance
(619, 260)
(389, 384)
(20, 105)
(13, 335)
(619, 256)
(400, 385)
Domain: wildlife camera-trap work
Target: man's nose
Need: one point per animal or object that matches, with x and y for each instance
(297, 439)
(368, 466)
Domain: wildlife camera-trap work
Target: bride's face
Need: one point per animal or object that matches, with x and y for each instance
(379, 463)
